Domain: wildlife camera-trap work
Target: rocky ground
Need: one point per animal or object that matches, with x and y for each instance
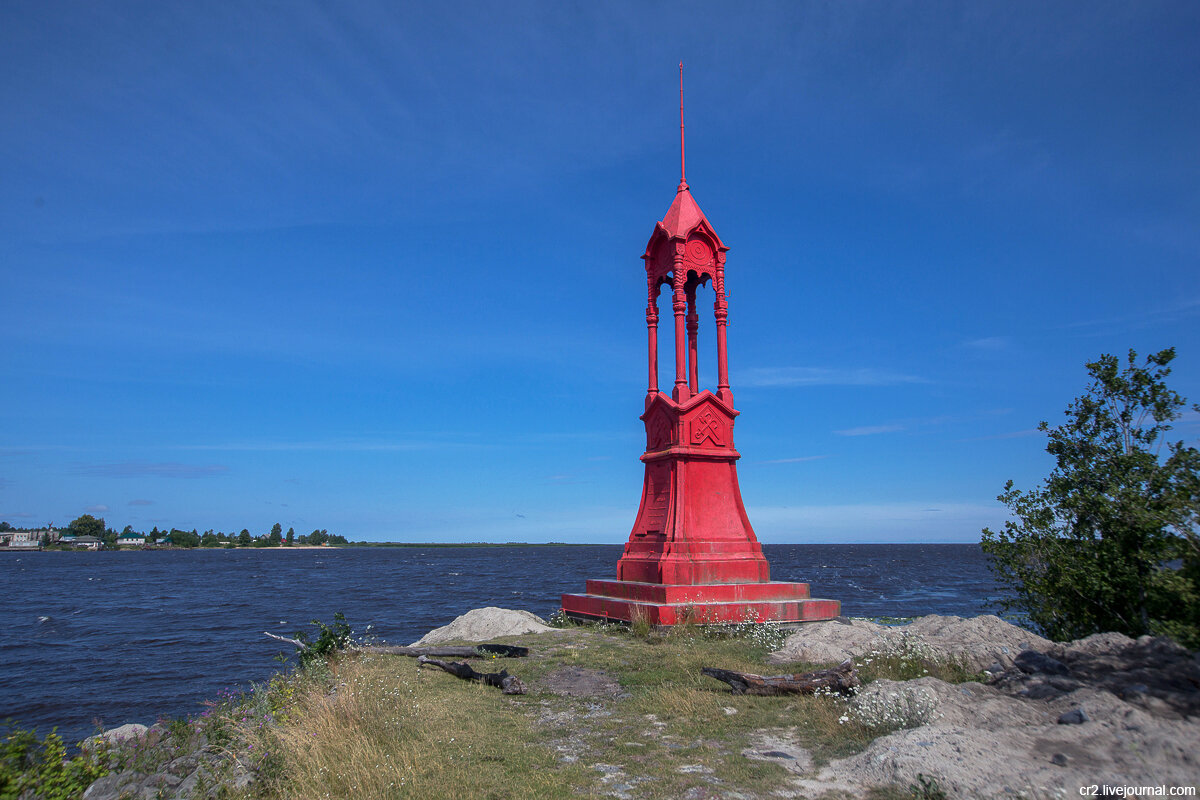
(1047, 720)
(1043, 720)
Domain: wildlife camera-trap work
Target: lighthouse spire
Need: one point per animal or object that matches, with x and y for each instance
(682, 162)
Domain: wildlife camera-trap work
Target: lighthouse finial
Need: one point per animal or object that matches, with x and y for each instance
(682, 162)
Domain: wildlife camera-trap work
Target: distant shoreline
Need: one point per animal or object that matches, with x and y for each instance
(353, 546)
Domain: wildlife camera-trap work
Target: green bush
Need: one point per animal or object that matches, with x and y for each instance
(1109, 541)
(41, 769)
(330, 639)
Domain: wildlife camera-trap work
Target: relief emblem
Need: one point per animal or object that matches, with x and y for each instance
(708, 426)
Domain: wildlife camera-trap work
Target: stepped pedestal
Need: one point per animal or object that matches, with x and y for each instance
(713, 603)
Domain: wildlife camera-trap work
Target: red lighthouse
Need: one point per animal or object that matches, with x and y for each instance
(692, 553)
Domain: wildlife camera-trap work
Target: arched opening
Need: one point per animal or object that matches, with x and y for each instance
(706, 334)
(665, 352)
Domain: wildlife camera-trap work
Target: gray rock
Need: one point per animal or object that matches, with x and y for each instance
(114, 736)
(1041, 691)
(1031, 661)
(106, 788)
(482, 624)
(1076, 716)
(1058, 760)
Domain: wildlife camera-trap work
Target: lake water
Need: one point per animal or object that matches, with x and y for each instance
(115, 637)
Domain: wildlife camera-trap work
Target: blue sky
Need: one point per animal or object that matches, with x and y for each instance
(373, 267)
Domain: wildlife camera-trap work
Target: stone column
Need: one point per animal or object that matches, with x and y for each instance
(652, 333)
(721, 310)
(679, 306)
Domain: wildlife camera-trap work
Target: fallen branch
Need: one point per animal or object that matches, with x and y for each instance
(509, 684)
(841, 679)
(299, 644)
(451, 651)
(448, 651)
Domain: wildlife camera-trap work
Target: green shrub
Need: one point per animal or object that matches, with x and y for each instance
(330, 639)
(42, 769)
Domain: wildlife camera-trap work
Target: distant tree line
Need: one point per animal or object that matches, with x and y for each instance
(88, 525)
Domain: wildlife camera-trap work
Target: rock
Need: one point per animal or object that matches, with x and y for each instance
(1154, 673)
(114, 736)
(977, 642)
(1031, 661)
(1076, 716)
(989, 739)
(484, 624)
(105, 788)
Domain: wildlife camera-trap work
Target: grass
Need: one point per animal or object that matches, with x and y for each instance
(380, 727)
(649, 725)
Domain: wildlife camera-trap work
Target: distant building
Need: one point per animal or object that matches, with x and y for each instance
(84, 542)
(27, 539)
(131, 540)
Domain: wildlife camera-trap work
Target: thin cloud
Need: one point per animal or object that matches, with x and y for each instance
(880, 522)
(18, 515)
(1009, 435)
(343, 446)
(792, 460)
(821, 376)
(146, 469)
(100, 509)
(1174, 311)
(140, 502)
(988, 343)
(869, 430)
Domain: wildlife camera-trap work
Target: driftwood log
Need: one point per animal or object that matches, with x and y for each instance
(509, 684)
(841, 679)
(299, 645)
(446, 651)
(452, 651)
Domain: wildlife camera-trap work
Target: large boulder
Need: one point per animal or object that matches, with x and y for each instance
(982, 742)
(484, 624)
(977, 642)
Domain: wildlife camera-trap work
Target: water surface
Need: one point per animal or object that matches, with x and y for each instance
(107, 638)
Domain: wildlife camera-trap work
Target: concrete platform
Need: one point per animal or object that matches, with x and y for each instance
(720, 603)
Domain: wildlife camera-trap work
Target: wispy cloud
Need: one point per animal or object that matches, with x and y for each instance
(140, 502)
(869, 430)
(792, 460)
(915, 424)
(822, 376)
(147, 469)
(878, 522)
(988, 343)
(98, 509)
(17, 515)
(332, 445)
(1008, 435)
(1167, 313)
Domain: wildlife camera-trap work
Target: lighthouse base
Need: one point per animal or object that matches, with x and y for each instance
(718, 603)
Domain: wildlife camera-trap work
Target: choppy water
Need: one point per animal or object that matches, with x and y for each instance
(115, 637)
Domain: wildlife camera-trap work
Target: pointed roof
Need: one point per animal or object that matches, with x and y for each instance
(682, 219)
(683, 216)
